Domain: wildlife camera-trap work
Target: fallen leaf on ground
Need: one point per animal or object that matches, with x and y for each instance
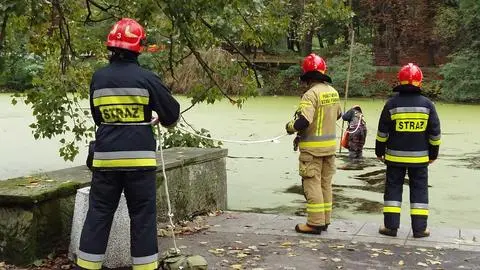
(336, 260)
(401, 262)
(203, 243)
(286, 244)
(216, 251)
(236, 266)
(422, 264)
(374, 255)
(422, 249)
(241, 255)
(323, 258)
(432, 262)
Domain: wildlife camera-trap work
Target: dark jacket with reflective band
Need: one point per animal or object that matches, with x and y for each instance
(408, 129)
(122, 97)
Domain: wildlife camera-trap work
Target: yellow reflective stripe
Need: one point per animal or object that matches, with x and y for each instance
(315, 207)
(138, 162)
(435, 143)
(419, 212)
(89, 265)
(415, 83)
(328, 207)
(120, 100)
(305, 103)
(382, 139)
(319, 122)
(318, 144)
(391, 209)
(409, 116)
(315, 210)
(406, 159)
(148, 266)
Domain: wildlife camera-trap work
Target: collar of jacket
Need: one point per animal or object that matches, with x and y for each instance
(315, 76)
(407, 88)
(124, 57)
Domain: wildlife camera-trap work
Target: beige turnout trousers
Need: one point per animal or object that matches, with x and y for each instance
(317, 173)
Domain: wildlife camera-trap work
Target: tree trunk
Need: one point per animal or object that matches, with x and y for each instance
(3, 31)
(320, 40)
(307, 43)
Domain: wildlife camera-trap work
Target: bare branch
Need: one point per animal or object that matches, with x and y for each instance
(170, 58)
(249, 63)
(249, 25)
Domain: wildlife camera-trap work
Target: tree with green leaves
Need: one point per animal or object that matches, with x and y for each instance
(459, 24)
(199, 36)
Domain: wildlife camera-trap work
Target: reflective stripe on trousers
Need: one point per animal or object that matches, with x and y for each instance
(89, 261)
(145, 263)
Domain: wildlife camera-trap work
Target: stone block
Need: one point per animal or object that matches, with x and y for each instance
(118, 248)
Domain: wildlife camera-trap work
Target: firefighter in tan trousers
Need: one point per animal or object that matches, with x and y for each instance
(315, 126)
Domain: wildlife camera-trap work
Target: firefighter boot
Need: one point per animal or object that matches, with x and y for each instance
(388, 232)
(425, 233)
(305, 228)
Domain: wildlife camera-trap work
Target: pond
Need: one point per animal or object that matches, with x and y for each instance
(264, 177)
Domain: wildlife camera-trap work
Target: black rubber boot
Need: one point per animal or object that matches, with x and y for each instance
(425, 233)
(388, 232)
(305, 228)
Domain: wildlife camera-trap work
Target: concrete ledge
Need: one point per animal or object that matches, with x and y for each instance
(36, 212)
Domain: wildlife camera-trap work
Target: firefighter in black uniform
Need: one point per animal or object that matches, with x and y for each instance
(408, 140)
(122, 98)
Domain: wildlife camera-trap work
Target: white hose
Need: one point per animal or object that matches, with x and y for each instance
(275, 139)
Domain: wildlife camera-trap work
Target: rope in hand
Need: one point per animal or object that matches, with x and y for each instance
(169, 204)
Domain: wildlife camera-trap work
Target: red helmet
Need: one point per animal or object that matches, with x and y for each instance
(127, 34)
(314, 62)
(410, 74)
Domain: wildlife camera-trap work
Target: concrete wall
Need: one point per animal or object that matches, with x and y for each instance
(36, 212)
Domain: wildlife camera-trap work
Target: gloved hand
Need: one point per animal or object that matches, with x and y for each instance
(289, 127)
(295, 143)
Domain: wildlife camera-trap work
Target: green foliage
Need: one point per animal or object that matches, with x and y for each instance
(283, 82)
(462, 77)
(19, 69)
(55, 100)
(362, 67)
(175, 137)
(432, 89)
